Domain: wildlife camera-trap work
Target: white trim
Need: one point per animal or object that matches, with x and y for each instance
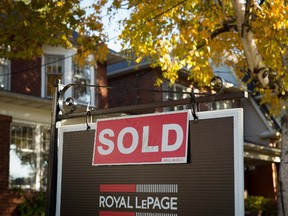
(237, 115)
(62, 130)
(67, 73)
(38, 157)
(43, 77)
(25, 114)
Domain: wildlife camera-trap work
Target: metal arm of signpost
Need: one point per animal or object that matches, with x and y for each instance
(58, 104)
(141, 107)
(217, 84)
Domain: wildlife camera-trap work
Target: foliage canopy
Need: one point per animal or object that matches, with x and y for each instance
(172, 34)
(27, 25)
(179, 33)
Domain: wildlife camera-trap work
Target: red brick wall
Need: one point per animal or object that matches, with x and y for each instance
(5, 122)
(259, 181)
(26, 77)
(125, 91)
(8, 203)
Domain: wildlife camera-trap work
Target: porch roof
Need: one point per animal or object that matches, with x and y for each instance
(25, 100)
(257, 154)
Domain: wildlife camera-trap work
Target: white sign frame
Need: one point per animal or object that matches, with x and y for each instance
(237, 115)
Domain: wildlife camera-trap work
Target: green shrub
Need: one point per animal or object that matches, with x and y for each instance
(254, 204)
(33, 204)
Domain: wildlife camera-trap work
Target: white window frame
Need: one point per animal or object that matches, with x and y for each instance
(175, 96)
(67, 76)
(6, 74)
(37, 135)
(62, 64)
(90, 81)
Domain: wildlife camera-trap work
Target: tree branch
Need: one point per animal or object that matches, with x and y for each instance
(226, 27)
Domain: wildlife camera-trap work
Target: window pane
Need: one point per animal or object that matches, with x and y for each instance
(175, 93)
(53, 69)
(82, 76)
(48, 69)
(51, 82)
(22, 169)
(23, 137)
(4, 74)
(216, 105)
(45, 142)
(18, 132)
(22, 157)
(28, 162)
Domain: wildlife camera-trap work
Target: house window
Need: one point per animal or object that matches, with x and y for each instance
(4, 74)
(54, 69)
(176, 92)
(218, 105)
(45, 138)
(82, 76)
(28, 156)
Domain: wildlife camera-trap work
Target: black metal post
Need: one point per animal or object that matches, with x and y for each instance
(50, 208)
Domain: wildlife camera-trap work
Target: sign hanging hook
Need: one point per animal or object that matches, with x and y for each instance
(193, 105)
(88, 115)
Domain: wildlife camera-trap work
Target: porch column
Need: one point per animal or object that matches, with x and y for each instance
(5, 122)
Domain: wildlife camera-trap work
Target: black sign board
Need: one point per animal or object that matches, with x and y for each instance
(210, 183)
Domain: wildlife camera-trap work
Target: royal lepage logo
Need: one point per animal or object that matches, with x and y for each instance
(138, 199)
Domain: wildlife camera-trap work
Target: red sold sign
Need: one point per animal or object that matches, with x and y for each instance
(144, 139)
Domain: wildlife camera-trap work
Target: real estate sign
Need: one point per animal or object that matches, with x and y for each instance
(153, 165)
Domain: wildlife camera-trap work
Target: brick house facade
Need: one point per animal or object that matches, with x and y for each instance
(28, 81)
(25, 115)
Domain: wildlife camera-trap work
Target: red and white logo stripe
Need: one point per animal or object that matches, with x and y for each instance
(139, 188)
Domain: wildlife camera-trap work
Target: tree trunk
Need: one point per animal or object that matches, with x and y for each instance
(283, 170)
(255, 63)
(253, 57)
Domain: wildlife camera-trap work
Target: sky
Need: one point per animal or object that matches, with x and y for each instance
(111, 27)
